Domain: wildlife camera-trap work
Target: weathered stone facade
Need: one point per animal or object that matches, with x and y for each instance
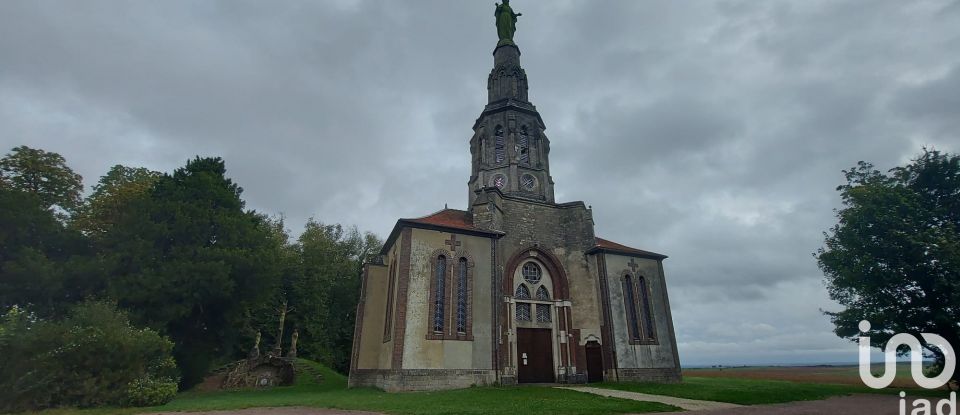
(515, 289)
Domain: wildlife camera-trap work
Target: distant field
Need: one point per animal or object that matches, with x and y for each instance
(843, 375)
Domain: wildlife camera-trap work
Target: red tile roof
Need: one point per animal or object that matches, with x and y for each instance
(448, 218)
(605, 245)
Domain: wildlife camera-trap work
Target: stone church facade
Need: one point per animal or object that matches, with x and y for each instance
(516, 289)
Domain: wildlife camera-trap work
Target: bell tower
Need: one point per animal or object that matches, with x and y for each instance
(509, 149)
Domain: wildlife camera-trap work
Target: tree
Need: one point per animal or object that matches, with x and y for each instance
(894, 256)
(111, 197)
(44, 174)
(326, 288)
(190, 261)
(43, 265)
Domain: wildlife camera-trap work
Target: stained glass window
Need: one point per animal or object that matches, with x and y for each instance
(542, 294)
(523, 311)
(647, 315)
(462, 296)
(629, 298)
(523, 293)
(543, 313)
(438, 302)
(531, 272)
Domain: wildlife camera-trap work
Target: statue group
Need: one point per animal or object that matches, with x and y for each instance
(506, 22)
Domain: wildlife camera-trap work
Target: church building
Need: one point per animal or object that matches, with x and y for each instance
(517, 288)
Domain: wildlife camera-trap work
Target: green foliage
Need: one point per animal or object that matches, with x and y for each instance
(894, 256)
(44, 174)
(43, 266)
(325, 292)
(112, 197)
(189, 261)
(147, 391)
(86, 359)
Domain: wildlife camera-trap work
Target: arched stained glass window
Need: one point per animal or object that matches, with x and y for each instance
(629, 298)
(523, 293)
(647, 314)
(438, 299)
(462, 295)
(542, 294)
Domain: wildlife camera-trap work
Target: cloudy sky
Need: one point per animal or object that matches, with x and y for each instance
(711, 131)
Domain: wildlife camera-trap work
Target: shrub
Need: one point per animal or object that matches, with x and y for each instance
(147, 391)
(90, 358)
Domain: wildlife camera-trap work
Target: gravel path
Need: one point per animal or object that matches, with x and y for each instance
(688, 404)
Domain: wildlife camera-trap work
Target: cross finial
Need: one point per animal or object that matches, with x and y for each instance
(633, 265)
(453, 242)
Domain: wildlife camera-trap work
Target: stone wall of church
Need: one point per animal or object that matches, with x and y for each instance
(566, 232)
(420, 352)
(656, 361)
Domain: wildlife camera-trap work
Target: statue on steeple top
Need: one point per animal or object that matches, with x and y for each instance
(506, 22)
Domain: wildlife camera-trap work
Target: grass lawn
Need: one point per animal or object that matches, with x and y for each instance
(753, 392)
(332, 393)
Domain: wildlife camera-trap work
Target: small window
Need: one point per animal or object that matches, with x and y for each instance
(543, 313)
(523, 311)
(647, 313)
(629, 297)
(523, 293)
(531, 272)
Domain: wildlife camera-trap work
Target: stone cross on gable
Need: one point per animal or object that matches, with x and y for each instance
(633, 265)
(453, 242)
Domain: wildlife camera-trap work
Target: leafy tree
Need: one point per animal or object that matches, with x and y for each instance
(111, 197)
(43, 266)
(92, 357)
(894, 256)
(189, 261)
(44, 174)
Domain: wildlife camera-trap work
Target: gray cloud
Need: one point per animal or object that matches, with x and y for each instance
(713, 132)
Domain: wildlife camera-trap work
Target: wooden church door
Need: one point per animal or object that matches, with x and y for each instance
(534, 356)
(594, 362)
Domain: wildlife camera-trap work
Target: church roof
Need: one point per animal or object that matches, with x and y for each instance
(447, 218)
(443, 220)
(610, 246)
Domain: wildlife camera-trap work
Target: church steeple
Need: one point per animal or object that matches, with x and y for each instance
(510, 151)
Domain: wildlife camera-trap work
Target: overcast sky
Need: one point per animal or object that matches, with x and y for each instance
(713, 132)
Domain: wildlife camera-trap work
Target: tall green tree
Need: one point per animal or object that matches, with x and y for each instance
(894, 256)
(190, 261)
(44, 174)
(324, 292)
(111, 197)
(43, 266)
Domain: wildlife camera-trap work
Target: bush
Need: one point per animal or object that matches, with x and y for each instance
(90, 358)
(146, 391)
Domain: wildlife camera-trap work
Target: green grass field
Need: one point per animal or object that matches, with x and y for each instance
(753, 391)
(528, 400)
(332, 393)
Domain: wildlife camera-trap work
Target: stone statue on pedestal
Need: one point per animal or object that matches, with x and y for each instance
(506, 22)
(293, 344)
(255, 351)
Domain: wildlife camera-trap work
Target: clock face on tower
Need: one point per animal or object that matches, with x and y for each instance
(500, 181)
